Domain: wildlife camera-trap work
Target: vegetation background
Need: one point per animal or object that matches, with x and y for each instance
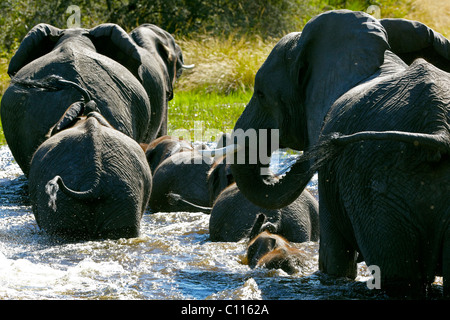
(227, 40)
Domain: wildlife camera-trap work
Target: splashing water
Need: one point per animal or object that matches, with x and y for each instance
(172, 259)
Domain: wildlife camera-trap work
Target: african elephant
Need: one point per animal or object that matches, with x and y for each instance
(162, 64)
(87, 180)
(180, 183)
(129, 76)
(377, 130)
(164, 147)
(273, 251)
(233, 216)
(185, 179)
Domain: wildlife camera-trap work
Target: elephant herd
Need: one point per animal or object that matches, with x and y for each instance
(366, 100)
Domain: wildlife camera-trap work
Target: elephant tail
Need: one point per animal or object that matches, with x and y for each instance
(331, 145)
(52, 83)
(439, 142)
(173, 197)
(57, 183)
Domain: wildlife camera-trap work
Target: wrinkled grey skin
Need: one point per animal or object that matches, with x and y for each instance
(272, 251)
(233, 217)
(130, 77)
(89, 181)
(184, 179)
(162, 64)
(182, 175)
(384, 143)
(164, 147)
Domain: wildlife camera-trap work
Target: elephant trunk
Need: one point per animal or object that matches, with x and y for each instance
(269, 191)
(250, 169)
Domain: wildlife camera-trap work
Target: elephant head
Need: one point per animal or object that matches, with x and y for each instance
(159, 43)
(162, 148)
(295, 88)
(162, 66)
(274, 252)
(412, 39)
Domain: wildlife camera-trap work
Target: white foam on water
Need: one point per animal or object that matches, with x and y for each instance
(8, 166)
(248, 291)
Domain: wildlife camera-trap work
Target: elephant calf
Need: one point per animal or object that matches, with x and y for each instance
(184, 179)
(88, 180)
(162, 148)
(274, 252)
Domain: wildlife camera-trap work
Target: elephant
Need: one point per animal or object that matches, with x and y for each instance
(87, 180)
(130, 76)
(162, 148)
(273, 251)
(163, 64)
(180, 183)
(376, 129)
(184, 178)
(233, 216)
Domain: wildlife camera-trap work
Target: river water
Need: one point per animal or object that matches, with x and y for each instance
(172, 259)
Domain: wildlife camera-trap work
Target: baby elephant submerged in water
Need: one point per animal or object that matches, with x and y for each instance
(273, 251)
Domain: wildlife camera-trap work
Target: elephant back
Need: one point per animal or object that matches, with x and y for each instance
(89, 181)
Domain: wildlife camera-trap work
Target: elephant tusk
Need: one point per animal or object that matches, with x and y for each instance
(187, 66)
(216, 153)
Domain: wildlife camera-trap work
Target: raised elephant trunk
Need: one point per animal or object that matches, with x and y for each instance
(272, 192)
(260, 185)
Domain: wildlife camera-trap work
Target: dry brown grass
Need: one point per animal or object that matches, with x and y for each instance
(223, 65)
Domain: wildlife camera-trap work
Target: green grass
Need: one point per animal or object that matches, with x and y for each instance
(2, 137)
(197, 116)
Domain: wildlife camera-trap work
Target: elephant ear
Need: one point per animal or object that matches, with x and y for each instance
(39, 41)
(411, 40)
(335, 51)
(112, 41)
